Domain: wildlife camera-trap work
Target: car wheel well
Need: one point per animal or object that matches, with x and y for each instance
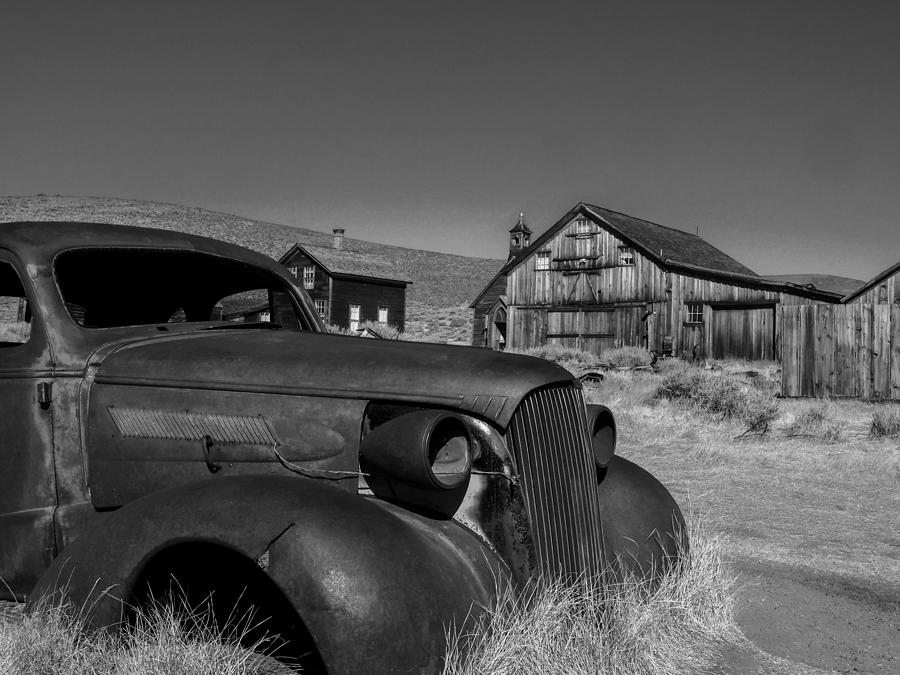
(241, 597)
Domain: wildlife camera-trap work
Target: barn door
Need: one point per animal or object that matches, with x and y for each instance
(743, 332)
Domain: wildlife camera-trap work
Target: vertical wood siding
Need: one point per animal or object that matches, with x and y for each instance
(886, 292)
(841, 350)
(605, 302)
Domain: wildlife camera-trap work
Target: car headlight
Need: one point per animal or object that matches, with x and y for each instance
(602, 428)
(422, 458)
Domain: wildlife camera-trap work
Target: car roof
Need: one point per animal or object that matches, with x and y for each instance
(41, 241)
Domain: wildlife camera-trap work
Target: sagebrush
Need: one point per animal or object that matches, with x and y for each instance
(719, 396)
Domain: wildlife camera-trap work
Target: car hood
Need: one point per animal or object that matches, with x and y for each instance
(486, 383)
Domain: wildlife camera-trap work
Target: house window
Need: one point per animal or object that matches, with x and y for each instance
(320, 308)
(309, 276)
(265, 316)
(626, 255)
(382, 315)
(583, 228)
(694, 312)
(543, 261)
(293, 271)
(354, 317)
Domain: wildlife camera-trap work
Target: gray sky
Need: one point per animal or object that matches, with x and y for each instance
(772, 126)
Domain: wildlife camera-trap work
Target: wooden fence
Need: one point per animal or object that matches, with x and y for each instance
(840, 350)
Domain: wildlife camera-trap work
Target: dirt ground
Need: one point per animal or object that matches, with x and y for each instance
(809, 619)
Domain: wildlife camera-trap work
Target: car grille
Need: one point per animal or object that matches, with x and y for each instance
(549, 439)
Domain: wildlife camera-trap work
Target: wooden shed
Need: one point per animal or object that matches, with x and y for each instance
(349, 287)
(598, 279)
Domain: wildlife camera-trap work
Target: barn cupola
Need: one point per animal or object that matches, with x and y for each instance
(519, 237)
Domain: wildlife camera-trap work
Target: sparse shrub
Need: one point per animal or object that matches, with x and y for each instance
(886, 422)
(833, 433)
(607, 626)
(811, 421)
(719, 396)
(573, 360)
(627, 357)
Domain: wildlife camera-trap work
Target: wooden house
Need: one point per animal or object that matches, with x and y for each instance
(349, 287)
(598, 279)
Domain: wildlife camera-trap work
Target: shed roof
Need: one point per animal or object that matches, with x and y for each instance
(874, 281)
(822, 282)
(347, 263)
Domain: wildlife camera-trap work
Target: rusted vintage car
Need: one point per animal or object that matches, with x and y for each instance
(361, 495)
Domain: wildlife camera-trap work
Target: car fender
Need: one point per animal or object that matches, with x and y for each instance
(642, 525)
(375, 585)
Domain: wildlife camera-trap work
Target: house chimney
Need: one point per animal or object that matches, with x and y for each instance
(338, 238)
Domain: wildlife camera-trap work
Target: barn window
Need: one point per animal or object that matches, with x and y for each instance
(309, 276)
(354, 317)
(694, 312)
(293, 271)
(626, 255)
(320, 308)
(543, 261)
(583, 228)
(382, 315)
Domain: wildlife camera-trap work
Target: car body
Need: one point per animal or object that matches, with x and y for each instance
(363, 494)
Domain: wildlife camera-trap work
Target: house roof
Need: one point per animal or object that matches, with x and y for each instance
(348, 263)
(874, 281)
(822, 282)
(669, 248)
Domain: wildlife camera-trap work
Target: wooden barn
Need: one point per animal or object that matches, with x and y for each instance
(349, 287)
(846, 350)
(598, 279)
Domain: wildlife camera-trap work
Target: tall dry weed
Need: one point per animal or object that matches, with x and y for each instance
(164, 639)
(604, 626)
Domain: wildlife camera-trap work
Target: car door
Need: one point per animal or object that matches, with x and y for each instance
(27, 484)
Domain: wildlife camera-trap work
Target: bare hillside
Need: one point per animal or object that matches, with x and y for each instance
(439, 279)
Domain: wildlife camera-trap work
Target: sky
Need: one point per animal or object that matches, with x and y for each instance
(771, 126)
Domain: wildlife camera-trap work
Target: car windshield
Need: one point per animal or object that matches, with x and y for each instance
(110, 287)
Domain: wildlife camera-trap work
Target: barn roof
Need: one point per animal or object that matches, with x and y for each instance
(874, 281)
(669, 248)
(660, 242)
(348, 263)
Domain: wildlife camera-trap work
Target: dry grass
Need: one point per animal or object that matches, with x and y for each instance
(825, 501)
(606, 626)
(166, 639)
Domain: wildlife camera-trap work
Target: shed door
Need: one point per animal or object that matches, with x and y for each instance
(747, 333)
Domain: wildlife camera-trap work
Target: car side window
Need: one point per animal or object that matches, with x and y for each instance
(15, 312)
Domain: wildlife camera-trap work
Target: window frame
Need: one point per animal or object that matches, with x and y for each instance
(542, 257)
(382, 308)
(309, 277)
(357, 320)
(324, 305)
(626, 253)
(691, 311)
